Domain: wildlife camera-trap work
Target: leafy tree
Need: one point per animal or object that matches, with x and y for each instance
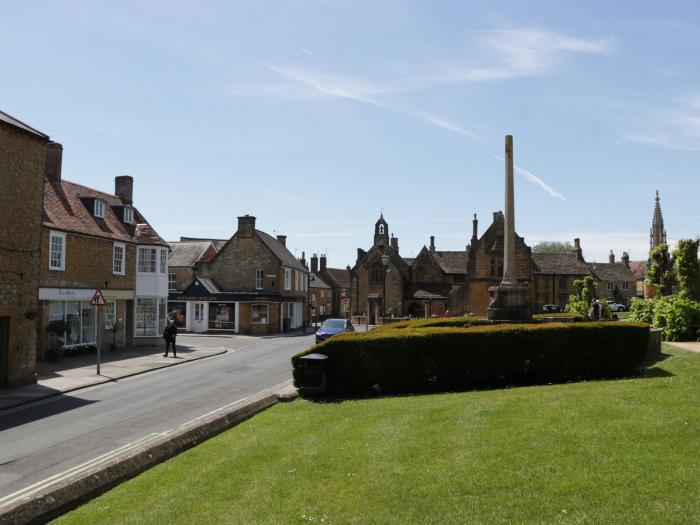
(552, 247)
(580, 302)
(687, 267)
(660, 271)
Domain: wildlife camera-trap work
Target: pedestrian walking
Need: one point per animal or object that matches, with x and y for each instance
(169, 334)
(596, 310)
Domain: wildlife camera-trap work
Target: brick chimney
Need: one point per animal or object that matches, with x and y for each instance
(475, 228)
(303, 260)
(432, 243)
(54, 159)
(282, 239)
(577, 249)
(246, 226)
(395, 243)
(323, 262)
(124, 188)
(314, 263)
(611, 257)
(626, 259)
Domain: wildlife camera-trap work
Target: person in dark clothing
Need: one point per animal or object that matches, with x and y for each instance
(596, 310)
(169, 334)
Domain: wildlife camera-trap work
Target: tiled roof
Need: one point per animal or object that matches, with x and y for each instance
(315, 281)
(341, 276)
(560, 264)
(430, 290)
(638, 269)
(452, 262)
(612, 271)
(10, 120)
(187, 253)
(281, 251)
(64, 210)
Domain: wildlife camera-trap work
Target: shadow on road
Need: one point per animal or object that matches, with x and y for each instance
(36, 412)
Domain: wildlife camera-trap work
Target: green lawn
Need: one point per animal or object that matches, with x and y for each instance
(624, 451)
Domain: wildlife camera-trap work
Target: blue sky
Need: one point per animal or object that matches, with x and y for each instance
(314, 115)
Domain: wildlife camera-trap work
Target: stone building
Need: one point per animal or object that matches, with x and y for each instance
(615, 279)
(92, 239)
(555, 274)
(339, 281)
(253, 284)
(22, 160)
(320, 298)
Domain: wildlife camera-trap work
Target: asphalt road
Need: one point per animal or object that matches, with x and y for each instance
(49, 437)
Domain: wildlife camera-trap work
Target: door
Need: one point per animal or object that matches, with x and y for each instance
(4, 348)
(199, 321)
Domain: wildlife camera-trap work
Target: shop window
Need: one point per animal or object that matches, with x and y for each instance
(177, 312)
(260, 313)
(150, 316)
(222, 316)
(110, 314)
(80, 318)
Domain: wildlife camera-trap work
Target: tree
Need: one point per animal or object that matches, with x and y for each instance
(552, 247)
(687, 267)
(660, 270)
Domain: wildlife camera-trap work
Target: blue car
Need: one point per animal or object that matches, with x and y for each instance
(330, 327)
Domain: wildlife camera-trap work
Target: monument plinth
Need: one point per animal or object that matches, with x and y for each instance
(510, 301)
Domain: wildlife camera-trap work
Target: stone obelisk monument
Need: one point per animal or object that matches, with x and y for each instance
(510, 301)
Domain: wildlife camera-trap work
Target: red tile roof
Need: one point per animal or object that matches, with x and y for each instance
(64, 210)
(639, 269)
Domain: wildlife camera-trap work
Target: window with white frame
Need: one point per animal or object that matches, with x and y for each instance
(128, 215)
(99, 209)
(110, 315)
(163, 261)
(118, 258)
(259, 279)
(57, 251)
(151, 314)
(298, 280)
(287, 279)
(147, 260)
(611, 285)
(625, 285)
(172, 282)
(259, 314)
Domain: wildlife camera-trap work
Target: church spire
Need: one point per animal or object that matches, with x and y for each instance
(657, 234)
(381, 230)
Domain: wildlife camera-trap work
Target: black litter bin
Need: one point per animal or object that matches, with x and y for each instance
(314, 377)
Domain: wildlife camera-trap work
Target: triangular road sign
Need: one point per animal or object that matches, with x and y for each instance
(98, 299)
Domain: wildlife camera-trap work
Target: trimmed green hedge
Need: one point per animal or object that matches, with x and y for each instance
(565, 315)
(448, 359)
(443, 322)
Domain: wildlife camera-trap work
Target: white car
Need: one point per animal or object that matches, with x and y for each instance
(616, 307)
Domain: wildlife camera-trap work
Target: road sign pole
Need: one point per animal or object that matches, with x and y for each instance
(98, 300)
(97, 337)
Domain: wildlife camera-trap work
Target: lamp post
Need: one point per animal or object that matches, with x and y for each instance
(387, 269)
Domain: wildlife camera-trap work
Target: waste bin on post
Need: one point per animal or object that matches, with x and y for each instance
(314, 377)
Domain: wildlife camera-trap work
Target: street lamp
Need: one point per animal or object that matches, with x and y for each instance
(387, 269)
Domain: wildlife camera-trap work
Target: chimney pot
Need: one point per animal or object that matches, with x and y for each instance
(246, 226)
(282, 239)
(323, 263)
(124, 188)
(432, 243)
(314, 263)
(54, 160)
(611, 257)
(395, 243)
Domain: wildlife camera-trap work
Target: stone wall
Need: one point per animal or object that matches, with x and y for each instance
(22, 161)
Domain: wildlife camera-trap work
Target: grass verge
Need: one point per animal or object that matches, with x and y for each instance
(624, 451)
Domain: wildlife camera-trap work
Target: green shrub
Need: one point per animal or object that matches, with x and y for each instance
(564, 315)
(447, 359)
(642, 311)
(461, 322)
(677, 315)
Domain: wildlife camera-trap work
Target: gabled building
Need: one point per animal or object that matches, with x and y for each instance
(253, 284)
(22, 161)
(93, 239)
(555, 274)
(615, 279)
(320, 298)
(339, 281)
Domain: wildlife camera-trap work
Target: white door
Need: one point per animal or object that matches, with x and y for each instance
(199, 320)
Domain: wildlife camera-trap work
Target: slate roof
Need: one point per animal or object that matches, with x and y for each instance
(64, 210)
(187, 253)
(341, 276)
(315, 281)
(638, 269)
(612, 271)
(12, 121)
(452, 262)
(281, 251)
(560, 264)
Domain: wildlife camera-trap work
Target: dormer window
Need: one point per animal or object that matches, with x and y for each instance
(99, 209)
(128, 215)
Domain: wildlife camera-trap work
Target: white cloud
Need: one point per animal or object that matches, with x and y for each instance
(303, 49)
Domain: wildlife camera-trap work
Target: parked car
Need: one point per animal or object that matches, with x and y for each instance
(616, 307)
(552, 308)
(331, 327)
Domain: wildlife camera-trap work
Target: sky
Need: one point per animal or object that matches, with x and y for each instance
(317, 115)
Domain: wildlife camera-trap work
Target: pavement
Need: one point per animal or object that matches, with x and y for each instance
(689, 346)
(73, 373)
